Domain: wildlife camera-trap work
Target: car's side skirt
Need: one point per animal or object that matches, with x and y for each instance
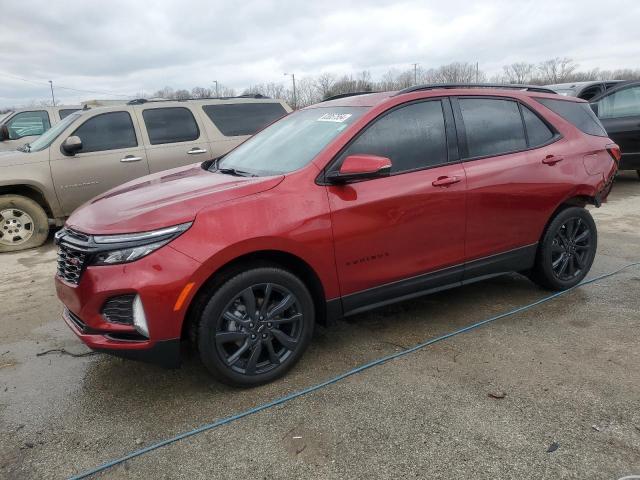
(515, 260)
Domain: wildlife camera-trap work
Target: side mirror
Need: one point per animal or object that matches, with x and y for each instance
(4, 133)
(72, 145)
(594, 107)
(360, 167)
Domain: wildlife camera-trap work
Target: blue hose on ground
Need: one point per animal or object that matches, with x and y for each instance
(300, 393)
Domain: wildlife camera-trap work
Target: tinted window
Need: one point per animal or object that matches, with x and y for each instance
(623, 103)
(493, 126)
(579, 114)
(412, 137)
(170, 125)
(108, 131)
(24, 124)
(243, 118)
(65, 112)
(537, 131)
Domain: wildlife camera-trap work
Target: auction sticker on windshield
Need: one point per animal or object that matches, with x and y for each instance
(334, 117)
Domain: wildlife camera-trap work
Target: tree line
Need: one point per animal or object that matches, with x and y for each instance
(313, 89)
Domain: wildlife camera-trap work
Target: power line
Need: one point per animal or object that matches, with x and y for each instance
(38, 82)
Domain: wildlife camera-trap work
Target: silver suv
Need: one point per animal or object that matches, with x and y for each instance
(93, 150)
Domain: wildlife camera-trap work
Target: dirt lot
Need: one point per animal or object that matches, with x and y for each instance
(569, 369)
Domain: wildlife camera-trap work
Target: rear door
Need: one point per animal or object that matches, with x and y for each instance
(510, 190)
(404, 233)
(111, 155)
(619, 112)
(173, 137)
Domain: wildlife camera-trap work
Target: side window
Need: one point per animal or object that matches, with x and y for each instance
(623, 103)
(170, 125)
(108, 131)
(65, 112)
(493, 126)
(577, 113)
(25, 124)
(413, 137)
(537, 131)
(243, 118)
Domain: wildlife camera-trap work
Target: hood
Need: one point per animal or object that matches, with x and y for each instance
(163, 199)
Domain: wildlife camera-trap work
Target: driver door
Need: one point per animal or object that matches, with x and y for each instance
(112, 154)
(405, 233)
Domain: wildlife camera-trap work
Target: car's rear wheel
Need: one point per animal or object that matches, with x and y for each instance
(256, 326)
(567, 250)
(23, 223)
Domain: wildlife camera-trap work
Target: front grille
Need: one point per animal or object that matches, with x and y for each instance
(71, 263)
(119, 309)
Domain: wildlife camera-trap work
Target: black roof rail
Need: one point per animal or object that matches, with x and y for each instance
(141, 101)
(510, 86)
(345, 95)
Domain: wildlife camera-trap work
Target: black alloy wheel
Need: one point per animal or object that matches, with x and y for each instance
(259, 329)
(571, 249)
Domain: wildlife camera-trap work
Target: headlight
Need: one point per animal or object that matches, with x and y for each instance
(114, 249)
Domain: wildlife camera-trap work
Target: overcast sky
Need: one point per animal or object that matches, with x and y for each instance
(125, 47)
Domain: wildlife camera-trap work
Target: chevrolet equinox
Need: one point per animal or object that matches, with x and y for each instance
(336, 209)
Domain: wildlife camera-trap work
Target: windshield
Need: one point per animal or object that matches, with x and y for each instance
(567, 92)
(47, 138)
(290, 143)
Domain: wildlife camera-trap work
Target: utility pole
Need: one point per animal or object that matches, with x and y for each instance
(53, 99)
(293, 79)
(216, 82)
(415, 73)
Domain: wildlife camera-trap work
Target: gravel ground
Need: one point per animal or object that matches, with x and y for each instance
(567, 375)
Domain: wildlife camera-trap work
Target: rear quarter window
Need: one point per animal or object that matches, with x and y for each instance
(243, 118)
(579, 114)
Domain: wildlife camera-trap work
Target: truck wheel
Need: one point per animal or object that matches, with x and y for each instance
(567, 250)
(23, 223)
(256, 326)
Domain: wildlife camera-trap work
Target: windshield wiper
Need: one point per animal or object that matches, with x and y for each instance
(237, 173)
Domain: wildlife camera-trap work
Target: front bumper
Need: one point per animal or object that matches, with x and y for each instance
(158, 280)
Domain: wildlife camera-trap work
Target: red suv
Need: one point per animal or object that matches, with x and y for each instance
(336, 209)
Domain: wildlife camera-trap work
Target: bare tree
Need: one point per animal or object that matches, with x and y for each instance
(324, 84)
(456, 72)
(182, 94)
(166, 92)
(520, 72)
(200, 92)
(557, 70)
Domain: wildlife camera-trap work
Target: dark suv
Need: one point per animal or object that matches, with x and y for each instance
(336, 209)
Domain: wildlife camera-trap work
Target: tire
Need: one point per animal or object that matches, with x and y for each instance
(638, 172)
(229, 338)
(567, 250)
(23, 223)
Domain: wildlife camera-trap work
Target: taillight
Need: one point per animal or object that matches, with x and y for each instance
(614, 151)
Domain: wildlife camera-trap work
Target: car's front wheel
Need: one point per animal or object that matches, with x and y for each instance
(23, 223)
(256, 326)
(567, 250)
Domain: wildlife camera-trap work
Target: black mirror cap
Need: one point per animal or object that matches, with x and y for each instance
(4, 133)
(337, 178)
(71, 145)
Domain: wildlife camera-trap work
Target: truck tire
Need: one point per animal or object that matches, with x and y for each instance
(23, 223)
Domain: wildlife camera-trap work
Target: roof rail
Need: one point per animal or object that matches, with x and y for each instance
(433, 86)
(140, 101)
(344, 95)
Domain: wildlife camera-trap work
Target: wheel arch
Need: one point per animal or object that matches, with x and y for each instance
(29, 191)
(259, 258)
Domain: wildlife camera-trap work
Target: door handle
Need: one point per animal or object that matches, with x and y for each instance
(130, 158)
(551, 160)
(196, 151)
(445, 181)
